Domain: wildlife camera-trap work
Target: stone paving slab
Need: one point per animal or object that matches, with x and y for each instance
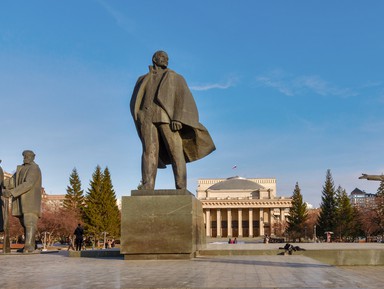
(295, 271)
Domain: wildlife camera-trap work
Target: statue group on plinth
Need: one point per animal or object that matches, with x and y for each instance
(164, 224)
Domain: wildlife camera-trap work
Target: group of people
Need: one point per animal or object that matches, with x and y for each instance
(234, 241)
(110, 244)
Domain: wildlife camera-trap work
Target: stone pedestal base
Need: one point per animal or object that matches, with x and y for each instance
(161, 224)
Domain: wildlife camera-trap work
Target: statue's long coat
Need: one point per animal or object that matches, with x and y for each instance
(27, 191)
(176, 99)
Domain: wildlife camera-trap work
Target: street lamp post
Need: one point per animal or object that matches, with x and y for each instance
(45, 242)
(105, 240)
(314, 233)
(305, 233)
(92, 238)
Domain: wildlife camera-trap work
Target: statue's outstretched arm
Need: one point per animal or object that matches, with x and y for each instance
(372, 177)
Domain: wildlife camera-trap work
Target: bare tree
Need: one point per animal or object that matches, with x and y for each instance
(56, 222)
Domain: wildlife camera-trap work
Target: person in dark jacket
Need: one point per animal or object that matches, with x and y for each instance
(79, 232)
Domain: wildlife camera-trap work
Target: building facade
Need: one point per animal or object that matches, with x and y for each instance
(7, 175)
(360, 198)
(239, 207)
(56, 201)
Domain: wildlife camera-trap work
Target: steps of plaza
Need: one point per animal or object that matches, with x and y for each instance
(330, 253)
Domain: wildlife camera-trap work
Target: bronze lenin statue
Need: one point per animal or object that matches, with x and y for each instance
(167, 122)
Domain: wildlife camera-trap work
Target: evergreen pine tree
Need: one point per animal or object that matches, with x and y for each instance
(297, 215)
(328, 214)
(101, 213)
(380, 189)
(345, 214)
(74, 197)
(110, 212)
(93, 204)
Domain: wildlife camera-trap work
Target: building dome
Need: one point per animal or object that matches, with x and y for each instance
(236, 183)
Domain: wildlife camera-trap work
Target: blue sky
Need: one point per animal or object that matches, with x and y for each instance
(287, 89)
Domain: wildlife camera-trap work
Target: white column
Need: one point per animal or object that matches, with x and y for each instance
(282, 215)
(229, 222)
(240, 222)
(250, 222)
(218, 222)
(261, 222)
(208, 222)
(271, 221)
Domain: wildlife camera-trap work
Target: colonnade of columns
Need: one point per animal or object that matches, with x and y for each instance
(262, 216)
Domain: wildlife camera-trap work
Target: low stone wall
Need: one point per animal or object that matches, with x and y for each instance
(337, 254)
(347, 257)
(14, 246)
(347, 254)
(107, 253)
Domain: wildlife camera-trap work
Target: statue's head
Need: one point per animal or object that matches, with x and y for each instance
(29, 156)
(160, 58)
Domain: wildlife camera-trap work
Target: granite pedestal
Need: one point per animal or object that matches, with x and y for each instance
(161, 224)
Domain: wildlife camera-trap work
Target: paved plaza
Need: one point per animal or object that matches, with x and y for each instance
(58, 271)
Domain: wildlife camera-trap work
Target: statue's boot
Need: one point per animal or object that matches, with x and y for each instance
(30, 232)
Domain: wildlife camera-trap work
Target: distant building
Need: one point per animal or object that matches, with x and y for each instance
(239, 207)
(56, 201)
(360, 198)
(7, 175)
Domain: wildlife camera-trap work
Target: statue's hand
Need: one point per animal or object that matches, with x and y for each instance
(363, 176)
(176, 125)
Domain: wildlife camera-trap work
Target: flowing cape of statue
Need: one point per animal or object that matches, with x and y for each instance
(176, 99)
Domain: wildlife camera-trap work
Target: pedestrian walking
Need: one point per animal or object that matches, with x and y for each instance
(79, 232)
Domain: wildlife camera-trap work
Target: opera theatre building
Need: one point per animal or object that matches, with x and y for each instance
(239, 207)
